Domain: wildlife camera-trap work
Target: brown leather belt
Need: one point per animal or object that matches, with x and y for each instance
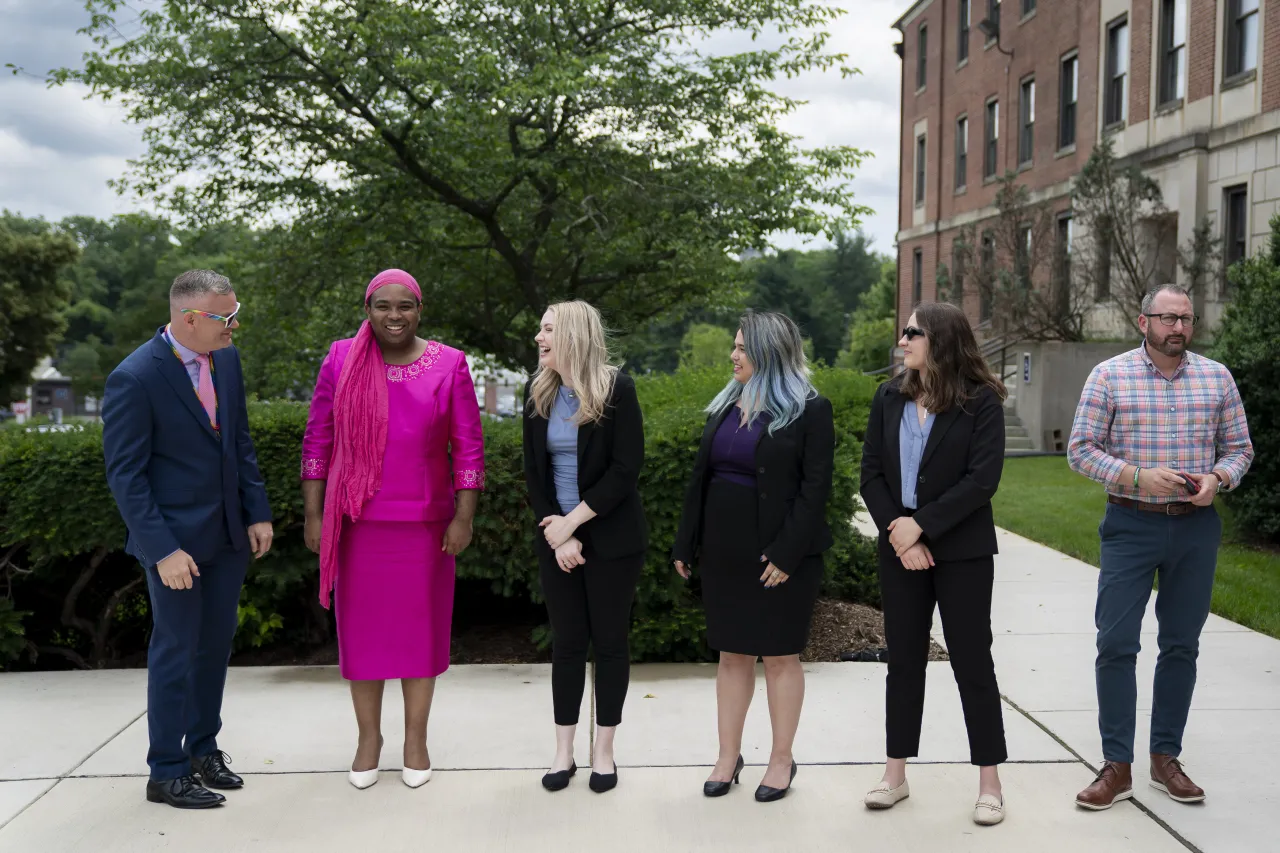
(1179, 508)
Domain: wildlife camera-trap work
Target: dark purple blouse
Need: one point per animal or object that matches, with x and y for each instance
(733, 449)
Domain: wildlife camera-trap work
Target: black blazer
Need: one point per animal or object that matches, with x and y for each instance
(610, 455)
(793, 480)
(959, 472)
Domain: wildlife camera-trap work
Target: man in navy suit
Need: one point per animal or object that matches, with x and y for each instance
(182, 469)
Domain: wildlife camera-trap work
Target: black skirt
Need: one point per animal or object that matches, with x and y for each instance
(743, 616)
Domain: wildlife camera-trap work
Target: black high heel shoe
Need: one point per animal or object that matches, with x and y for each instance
(559, 780)
(719, 789)
(765, 794)
(601, 782)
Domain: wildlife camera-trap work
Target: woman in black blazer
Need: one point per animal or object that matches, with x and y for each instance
(931, 463)
(583, 449)
(754, 524)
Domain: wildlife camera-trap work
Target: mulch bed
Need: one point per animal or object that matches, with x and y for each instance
(840, 626)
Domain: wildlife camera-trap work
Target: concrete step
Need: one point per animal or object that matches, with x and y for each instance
(1018, 431)
(1023, 442)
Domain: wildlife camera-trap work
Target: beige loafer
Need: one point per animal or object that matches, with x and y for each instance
(884, 797)
(989, 810)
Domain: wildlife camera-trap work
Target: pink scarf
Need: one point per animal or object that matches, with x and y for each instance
(359, 434)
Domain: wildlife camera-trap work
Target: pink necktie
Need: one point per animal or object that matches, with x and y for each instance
(204, 389)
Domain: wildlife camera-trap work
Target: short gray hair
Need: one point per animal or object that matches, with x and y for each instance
(1176, 289)
(195, 283)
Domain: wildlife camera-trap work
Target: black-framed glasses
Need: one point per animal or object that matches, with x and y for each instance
(1172, 319)
(911, 333)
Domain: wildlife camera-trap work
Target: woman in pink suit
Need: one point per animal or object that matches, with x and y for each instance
(392, 465)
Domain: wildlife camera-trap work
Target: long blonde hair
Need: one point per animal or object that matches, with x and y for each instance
(581, 350)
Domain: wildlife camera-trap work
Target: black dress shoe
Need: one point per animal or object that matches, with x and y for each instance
(212, 770)
(765, 794)
(719, 789)
(185, 792)
(559, 780)
(601, 782)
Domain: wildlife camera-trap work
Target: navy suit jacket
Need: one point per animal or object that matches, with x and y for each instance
(178, 483)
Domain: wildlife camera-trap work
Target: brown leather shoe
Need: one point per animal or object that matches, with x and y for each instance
(1113, 783)
(1167, 775)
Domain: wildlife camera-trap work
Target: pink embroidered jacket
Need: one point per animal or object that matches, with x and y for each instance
(433, 430)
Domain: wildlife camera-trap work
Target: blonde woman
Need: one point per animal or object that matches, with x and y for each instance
(583, 448)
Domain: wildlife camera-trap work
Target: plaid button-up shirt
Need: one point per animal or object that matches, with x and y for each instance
(1129, 413)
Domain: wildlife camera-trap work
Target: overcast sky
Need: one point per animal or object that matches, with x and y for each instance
(58, 149)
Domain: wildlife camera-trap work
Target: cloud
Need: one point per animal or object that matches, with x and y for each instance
(58, 150)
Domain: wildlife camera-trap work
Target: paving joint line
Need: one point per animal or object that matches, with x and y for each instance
(57, 780)
(531, 768)
(1161, 822)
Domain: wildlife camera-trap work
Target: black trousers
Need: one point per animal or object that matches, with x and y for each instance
(962, 591)
(589, 606)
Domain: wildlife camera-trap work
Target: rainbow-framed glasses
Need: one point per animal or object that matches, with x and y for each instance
(228, 320)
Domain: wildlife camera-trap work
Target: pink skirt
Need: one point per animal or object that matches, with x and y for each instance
(393, 600)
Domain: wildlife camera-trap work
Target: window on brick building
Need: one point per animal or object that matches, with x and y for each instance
(1022, 258)
(1102, 280)
(1115, 98)
(1028, 6)
(991, 139)
(986, 301)
(993, 13)
(920, 154)
(962, 151)
(1242, 36)
(1173, 50)
(1235, 228)
(1062, 267)
(1067, 99)
(922, 56)
(962, 32)
(917, 277)
(1027, 122)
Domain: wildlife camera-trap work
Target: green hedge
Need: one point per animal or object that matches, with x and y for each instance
(72, 593)
(1248, 342)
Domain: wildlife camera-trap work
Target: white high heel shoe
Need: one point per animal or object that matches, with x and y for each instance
(363, 778)
(415, 778)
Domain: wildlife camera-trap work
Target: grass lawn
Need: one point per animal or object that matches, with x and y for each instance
(1042, 499)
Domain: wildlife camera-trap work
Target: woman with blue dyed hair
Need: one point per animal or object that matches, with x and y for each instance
(754, 525)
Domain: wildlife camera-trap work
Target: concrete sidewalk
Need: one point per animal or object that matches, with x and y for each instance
(72, 756)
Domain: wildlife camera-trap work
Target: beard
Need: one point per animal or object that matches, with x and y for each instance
(1170, 345)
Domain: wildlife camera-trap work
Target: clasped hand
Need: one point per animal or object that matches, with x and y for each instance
(903, 533)
(557, 529)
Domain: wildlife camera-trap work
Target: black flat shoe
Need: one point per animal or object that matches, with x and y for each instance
(765, 794)
(559, 780)
(719, 789)
(601, 782)
(213, 772)
(185, 792)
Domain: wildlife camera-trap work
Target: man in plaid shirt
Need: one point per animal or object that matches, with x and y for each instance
(1163, 429)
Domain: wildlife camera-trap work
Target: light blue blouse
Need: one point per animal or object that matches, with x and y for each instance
(912, 437)
(562, 444)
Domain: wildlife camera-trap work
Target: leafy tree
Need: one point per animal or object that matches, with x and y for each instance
(1129, 236)
(872, 333)
(705, 345)
(32, 298)
(508, 153)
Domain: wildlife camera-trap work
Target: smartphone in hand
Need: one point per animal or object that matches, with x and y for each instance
(1190, 484)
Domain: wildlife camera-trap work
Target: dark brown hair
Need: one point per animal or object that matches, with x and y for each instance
(953, 362)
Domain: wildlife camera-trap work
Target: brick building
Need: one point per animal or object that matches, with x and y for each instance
(1187, 89)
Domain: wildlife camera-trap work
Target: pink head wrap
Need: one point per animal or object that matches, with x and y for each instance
(359, 433)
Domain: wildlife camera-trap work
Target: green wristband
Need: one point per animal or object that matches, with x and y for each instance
(1136, 472)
